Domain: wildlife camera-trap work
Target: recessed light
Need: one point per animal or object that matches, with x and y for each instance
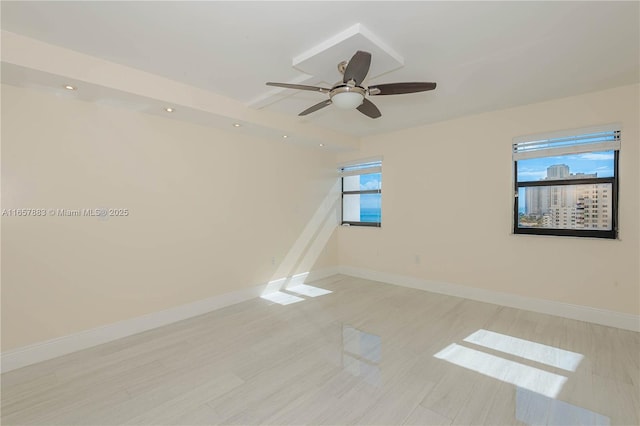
(285, 136)
(69, 87)
(169, 109)
(321, 144)
(236, 124)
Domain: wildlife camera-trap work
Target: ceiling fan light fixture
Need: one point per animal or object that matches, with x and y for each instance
(347, 100)
(346, 97)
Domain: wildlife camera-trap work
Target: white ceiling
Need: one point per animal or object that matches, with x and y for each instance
(483, 55)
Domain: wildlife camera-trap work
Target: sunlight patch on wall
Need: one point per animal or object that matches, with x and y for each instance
(275, 285)
(305, 251)
(299, 278)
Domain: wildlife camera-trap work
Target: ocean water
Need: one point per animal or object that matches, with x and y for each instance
(370, 215)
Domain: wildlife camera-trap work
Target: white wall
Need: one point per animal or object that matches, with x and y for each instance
(209, 210)
(447, 200)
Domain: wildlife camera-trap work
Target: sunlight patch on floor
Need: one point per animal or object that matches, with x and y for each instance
(308, 290)
(281, 298)
(526, 349)
(524, 376)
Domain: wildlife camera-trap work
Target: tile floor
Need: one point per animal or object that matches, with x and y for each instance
(365, 353)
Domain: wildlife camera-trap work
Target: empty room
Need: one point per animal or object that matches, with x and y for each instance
(320, 213)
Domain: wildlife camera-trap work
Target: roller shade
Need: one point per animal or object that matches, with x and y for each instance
(536, 147)
(361, 168)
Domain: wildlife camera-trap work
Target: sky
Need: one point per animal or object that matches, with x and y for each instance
(590, 162)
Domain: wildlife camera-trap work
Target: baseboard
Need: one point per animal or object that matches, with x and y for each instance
(42, 351)
(550, 307)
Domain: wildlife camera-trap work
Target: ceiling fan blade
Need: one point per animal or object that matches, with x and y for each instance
(316, 107)
(369, 109)
(358, 67)
(400, 88)
(300, 87)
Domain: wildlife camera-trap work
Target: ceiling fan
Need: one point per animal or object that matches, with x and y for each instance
(349, 94)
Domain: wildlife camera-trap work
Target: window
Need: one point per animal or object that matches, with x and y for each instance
(362, 194)
(564, 183)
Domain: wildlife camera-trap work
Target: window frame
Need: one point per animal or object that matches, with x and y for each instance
(585, 233)
(360, 192)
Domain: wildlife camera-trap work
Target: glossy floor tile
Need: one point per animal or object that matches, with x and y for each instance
(343, 351)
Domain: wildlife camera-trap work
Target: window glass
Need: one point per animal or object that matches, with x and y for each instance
(565, 206)
(573, 166)
(567, 185)
(370, 207)
(362, 195)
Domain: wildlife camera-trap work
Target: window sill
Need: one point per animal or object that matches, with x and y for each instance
(361, 225)
(574, 237)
